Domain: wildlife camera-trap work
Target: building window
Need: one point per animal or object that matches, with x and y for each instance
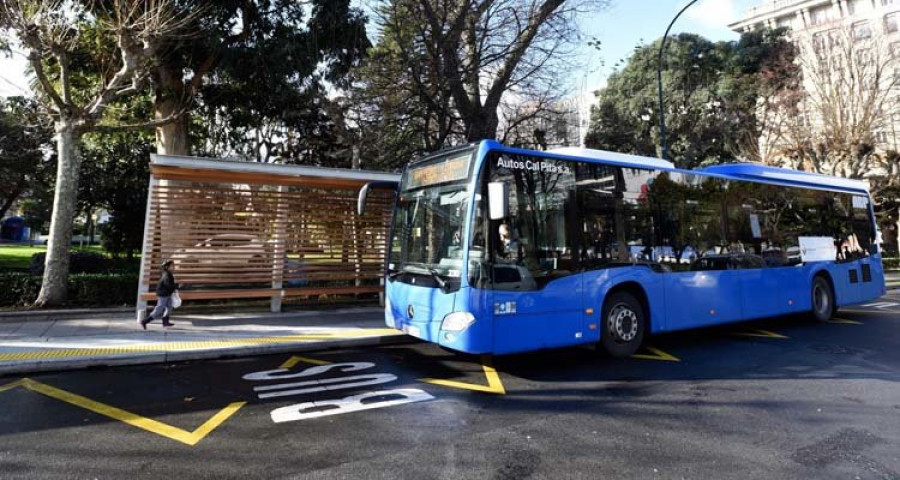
(881, 137)
(819, 16)
(857, 6)
(862, 30)
(885, 3)
(865, 57)
(783, 22)
(826, 40)
(890, 22)
(894, 49)
(819, 41)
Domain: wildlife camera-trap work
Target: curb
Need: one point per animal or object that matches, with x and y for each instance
(39, 315)
(81, 363)
(72, 314)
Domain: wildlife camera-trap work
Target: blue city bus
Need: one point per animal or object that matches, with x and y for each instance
(501, 250)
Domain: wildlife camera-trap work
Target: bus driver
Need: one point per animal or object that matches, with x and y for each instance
(509, 245)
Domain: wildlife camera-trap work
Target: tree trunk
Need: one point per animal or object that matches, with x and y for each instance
(89, 225)
(171, 138)
(482, 126)
(9, 200)
(56, 266)
(896, 231)
(355, 160)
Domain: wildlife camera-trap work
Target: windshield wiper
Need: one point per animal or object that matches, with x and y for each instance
(426, 269)
(437, 278)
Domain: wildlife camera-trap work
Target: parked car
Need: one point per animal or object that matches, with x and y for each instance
(225, 249)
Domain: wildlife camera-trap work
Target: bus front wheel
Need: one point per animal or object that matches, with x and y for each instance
(822, 299)
(623, 324)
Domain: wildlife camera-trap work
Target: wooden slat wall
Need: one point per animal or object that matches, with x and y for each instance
(258, 240)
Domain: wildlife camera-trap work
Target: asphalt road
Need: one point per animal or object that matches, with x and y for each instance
(782, 398)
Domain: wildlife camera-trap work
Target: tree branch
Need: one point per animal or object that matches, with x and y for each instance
(38, 66)
(134, 126)
(523, 41)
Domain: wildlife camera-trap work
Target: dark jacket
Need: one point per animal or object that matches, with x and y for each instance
(166, 284)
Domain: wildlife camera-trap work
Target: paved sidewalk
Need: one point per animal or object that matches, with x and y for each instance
(892, 279)
(115, 338)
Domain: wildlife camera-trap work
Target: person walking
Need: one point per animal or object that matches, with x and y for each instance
(164, 290)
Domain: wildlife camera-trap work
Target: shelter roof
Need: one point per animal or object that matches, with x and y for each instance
(174, 167)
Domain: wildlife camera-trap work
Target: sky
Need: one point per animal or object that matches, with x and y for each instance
(628, 23)
(625, 24)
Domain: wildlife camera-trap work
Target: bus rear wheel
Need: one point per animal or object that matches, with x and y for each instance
(622, 324)
(822, 299)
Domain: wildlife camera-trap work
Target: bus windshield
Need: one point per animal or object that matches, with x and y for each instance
(426, 248)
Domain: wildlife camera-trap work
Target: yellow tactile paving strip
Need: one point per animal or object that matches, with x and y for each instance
(163, 347)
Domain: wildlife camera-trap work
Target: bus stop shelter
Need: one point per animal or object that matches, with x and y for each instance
(239, 230)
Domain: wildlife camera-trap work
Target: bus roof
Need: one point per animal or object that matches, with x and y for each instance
(752, 171)
(613, 157)
(741, 171)
(737, 171)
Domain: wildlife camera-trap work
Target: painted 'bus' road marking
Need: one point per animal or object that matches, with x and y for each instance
(133, 419)
(321, 408)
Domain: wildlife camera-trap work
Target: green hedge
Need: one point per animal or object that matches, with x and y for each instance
(85, 289)
(18, 289)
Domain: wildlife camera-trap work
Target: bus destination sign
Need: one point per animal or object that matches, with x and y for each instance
(447, 170)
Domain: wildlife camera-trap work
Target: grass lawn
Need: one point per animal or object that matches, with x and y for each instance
(19, 256)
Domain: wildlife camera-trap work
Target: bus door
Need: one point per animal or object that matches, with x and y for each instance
(527, 317)
(535, 278)
(710, 293)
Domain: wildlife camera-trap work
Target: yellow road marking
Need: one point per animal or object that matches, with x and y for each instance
(133, 419)
(657, 355)
(293, 361)
(495, 385)
(10, 386)
(757, 333)
(44, 353)
(866, 312)
(843, 321)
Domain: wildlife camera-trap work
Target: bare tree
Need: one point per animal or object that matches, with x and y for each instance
(849, 80)
(465, 63)
(54, 32)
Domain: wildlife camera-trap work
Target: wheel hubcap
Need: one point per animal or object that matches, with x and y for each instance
(622, 323)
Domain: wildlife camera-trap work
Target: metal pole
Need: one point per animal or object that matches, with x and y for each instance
(664, 148)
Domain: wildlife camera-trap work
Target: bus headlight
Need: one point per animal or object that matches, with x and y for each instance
(457, 321)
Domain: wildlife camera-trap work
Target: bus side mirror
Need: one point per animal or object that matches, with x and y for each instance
(364, 193)
(498, 200)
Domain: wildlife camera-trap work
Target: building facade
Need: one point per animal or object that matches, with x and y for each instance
(856, 43)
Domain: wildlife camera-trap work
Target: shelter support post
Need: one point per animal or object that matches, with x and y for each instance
(146, 250)
(279, 250)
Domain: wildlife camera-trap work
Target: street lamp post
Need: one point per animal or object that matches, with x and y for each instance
(664, 148)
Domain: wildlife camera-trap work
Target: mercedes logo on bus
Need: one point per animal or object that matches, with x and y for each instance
(410, 311)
